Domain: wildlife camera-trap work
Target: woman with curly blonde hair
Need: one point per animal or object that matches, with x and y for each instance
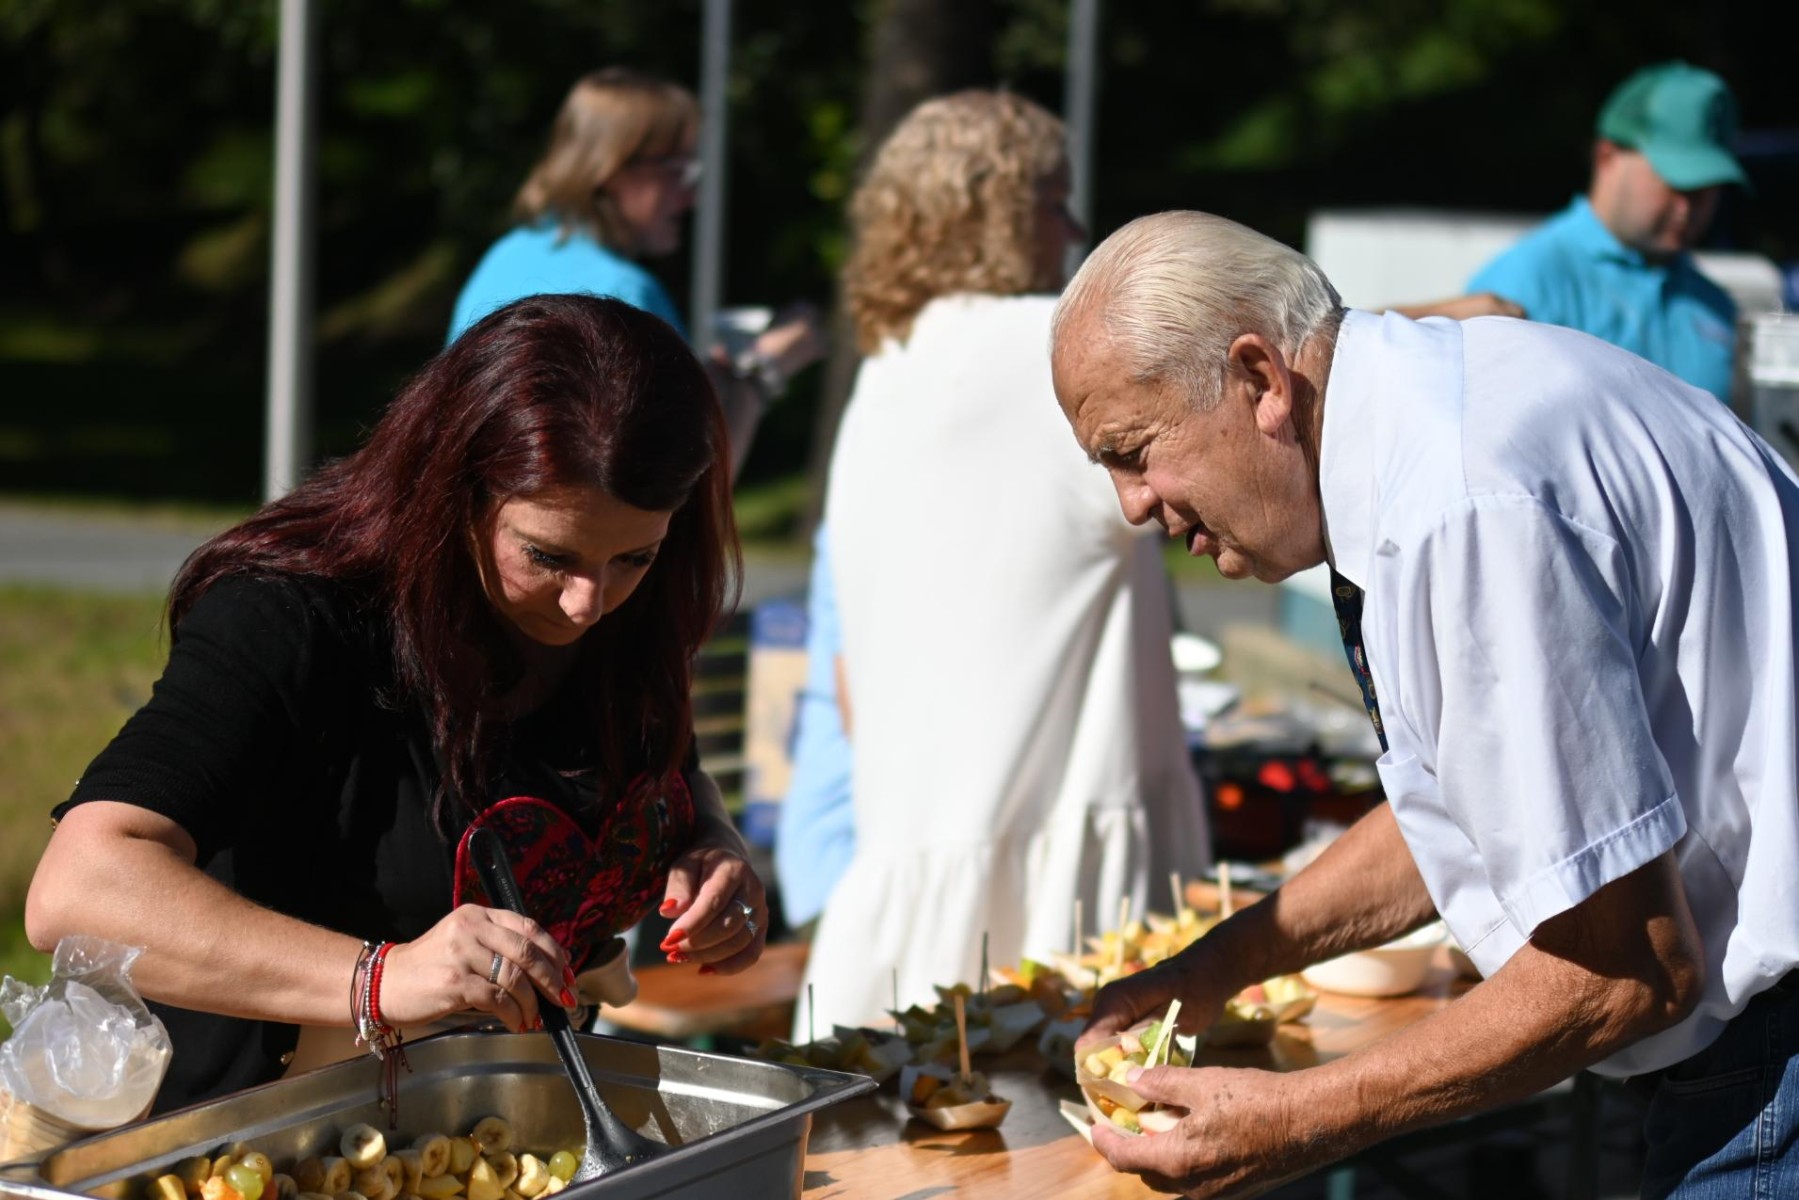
(969, 194)
(1015, 742)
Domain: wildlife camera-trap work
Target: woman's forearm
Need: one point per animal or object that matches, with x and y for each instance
(116, 871)
(743, 403)
(713, 818)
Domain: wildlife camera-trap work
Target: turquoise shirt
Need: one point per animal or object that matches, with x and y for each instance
(535, 259)
(1571, 271)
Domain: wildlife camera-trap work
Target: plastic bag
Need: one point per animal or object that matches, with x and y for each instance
(85, 1051)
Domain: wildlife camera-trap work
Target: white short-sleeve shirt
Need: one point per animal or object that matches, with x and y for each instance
(1579, 578)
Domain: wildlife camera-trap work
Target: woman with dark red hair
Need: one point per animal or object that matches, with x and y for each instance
(406, 648)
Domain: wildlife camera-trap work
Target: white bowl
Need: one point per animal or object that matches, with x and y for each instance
(1391, 970)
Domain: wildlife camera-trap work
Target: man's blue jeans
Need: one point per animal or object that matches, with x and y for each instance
(1725, 1123)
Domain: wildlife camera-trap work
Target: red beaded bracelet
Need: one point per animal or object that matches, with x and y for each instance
(375, 968)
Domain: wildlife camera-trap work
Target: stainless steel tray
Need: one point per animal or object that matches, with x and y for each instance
(738, 1128)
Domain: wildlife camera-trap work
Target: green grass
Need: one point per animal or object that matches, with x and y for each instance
(73, 666)
(19, 960)
(172, 516)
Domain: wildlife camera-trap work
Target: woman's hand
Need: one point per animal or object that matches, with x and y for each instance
(794, 340)
(720, 908)
(452, 969)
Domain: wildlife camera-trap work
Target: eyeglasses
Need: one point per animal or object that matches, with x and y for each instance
(684, 168)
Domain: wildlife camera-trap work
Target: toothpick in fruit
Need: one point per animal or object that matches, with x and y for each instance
(962, 1040)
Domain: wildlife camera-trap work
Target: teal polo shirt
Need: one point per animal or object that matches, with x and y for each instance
(534, 260)
(1571, 271)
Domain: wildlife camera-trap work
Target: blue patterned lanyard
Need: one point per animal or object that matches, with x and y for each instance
(1346, 598)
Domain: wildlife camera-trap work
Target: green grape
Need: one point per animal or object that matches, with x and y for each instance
(247, 1181)
(562, 1165)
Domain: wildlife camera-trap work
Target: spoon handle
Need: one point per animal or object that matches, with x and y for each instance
(495, 870)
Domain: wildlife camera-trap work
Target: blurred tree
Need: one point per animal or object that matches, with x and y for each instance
(135, 166)
(918, 49)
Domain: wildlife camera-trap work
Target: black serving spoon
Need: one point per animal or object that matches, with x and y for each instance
(611, 1144)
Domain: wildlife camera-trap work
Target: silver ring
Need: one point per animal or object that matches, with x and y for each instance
(749, 915)
(493, 972)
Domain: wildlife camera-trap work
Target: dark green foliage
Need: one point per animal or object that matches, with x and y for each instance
(135, 144)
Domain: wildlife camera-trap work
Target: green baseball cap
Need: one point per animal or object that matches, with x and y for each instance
(1682, 119)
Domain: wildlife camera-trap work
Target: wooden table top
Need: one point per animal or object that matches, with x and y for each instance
(868, 1148)
(678, 1003)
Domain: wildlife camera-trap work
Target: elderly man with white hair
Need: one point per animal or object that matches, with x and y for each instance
(1566, 583)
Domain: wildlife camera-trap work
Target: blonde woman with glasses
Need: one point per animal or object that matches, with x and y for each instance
(1006, 678)
(609, 192)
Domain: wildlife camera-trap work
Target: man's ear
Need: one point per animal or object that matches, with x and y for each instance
(1258, 364)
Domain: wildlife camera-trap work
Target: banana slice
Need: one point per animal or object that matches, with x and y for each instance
(383, 1181)
(463, 1153)
(439, 1187)
(505, 1168)
(309, 1175)
(337, 1175)
(373, 1183)
(533, 1176)
(284, 1187)
(434, 1155)
(312, 1196)
(494, 1134)
(412, 1165)
(554, 1185)
(362, 1146)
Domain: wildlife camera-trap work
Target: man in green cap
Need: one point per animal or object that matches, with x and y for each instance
(1615, 262)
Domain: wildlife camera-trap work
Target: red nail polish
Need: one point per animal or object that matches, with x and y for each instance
(567, 998)
(568, 977)
(708, 969)
(538, 1026)
(677, 957)
(668, 907)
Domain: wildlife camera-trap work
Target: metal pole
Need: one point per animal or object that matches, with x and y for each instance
(287, 446)
(709, 214)
(1080, 97)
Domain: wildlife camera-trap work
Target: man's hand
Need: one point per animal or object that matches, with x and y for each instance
(1146, 995)
(1236, 1139)
(1460, 308)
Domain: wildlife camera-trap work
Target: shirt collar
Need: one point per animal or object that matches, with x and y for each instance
(1347, 454)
